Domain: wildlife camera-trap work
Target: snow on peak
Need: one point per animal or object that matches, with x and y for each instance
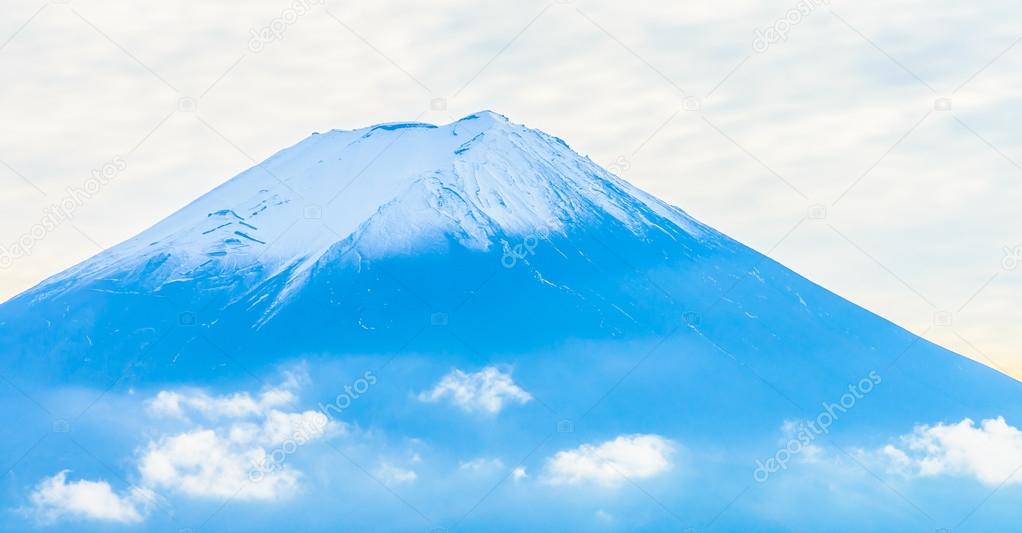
(391, 188)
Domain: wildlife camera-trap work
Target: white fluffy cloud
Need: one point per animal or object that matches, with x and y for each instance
(280, 427)
(242, 455)
(989, 452)
(612, 462)
(204, 464)
(177, 404)
(235, 446)
(485, 391)
(55, 498)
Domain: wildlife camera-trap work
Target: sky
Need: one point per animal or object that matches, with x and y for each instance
(866, 145)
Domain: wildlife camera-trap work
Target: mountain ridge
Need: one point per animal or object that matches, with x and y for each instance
(230, 222)
(558, 247)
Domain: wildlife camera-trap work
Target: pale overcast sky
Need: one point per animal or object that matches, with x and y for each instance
(870, 146)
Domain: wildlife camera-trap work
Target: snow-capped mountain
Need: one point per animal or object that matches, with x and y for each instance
(350, 239)
(437, 255)
(261, 242)
(385, 190)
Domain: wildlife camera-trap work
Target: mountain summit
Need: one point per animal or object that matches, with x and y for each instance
(269, 239)
(387, 189)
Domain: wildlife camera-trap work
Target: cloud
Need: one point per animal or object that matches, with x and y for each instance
(55, 498)
(235, 446)
(518, 473)
(391, 475)
(481, 464)
(612, 462)
(203, 464)
(244, 459)
(177, 404)
(988, 452)
(279, 427)
(485, 391)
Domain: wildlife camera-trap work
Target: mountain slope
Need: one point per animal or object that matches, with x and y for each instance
(428, 257)
(356, 241)
(479, 184)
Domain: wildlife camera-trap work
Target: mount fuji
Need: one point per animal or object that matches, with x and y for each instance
(331, 237)
(533, 332)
